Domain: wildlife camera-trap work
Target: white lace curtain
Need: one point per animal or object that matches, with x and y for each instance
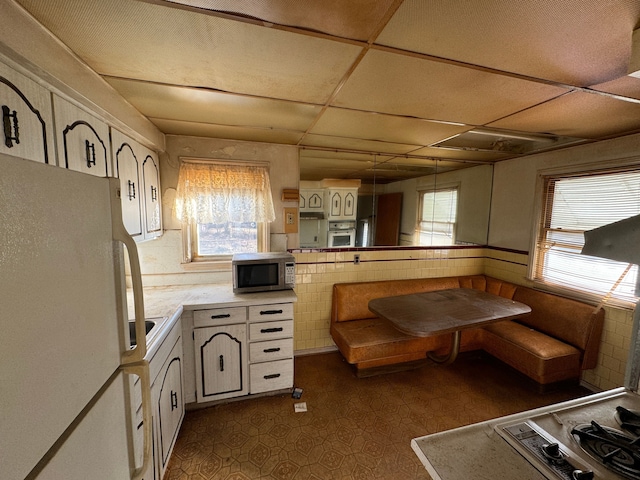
(220, 193)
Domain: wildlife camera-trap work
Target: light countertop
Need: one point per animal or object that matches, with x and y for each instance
(165, 304)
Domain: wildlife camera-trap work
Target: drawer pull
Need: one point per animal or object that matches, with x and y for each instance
(272, 376)
(222, 315)
(174, 400)
(271, 330)
(270, 312)
(271, 350)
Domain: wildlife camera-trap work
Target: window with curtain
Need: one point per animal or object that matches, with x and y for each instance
(437, 217)
(225, 207)
(573, 204)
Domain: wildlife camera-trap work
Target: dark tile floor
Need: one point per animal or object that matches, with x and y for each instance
(353, 428)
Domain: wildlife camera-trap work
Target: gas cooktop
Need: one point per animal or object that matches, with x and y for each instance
(598, 439)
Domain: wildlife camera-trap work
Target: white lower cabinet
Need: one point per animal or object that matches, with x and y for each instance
(167, 403)
(243, 350)
(221, 362)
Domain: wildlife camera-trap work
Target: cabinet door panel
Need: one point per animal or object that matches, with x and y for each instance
(151, 180)
(221, 362)
(127, 168)
(27, 118)
(83, 140)
(170, 405)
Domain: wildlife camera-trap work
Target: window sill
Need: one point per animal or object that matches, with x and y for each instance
(207, 266)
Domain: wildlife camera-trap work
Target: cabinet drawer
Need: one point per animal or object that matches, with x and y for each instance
(270, 376)
(219, 316)
(271, 350)
(264, 313)
(270, 330)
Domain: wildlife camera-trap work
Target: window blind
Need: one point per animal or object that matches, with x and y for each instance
(573, 205)
(438, 217)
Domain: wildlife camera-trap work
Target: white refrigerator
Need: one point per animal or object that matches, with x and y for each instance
(65, 408)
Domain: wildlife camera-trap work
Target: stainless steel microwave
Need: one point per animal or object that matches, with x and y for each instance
(261, 272)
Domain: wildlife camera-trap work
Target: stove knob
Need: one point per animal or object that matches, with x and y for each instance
(551, 451)
(580, 475)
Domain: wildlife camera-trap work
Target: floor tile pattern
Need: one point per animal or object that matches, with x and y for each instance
(353, 428)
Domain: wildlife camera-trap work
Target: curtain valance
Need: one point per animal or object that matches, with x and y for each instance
(221, 193)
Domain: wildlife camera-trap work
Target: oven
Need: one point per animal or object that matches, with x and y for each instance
(595, 439)
(341, 234)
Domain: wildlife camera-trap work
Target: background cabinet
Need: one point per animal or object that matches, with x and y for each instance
(341, 203)
(27, 118)
(311, 200)
(82, 140)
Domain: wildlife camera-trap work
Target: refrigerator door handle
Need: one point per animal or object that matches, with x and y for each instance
(141, 369)
(138, 353)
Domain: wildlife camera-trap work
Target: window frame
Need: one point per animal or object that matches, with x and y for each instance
(419, 219)
(542, 213)
(190, 258)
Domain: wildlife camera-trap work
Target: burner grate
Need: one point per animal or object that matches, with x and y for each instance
(613, 448)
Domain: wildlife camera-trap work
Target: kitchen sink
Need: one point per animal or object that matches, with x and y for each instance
(148, 326)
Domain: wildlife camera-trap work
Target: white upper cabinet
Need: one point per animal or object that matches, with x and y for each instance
(137, 168)
(127, 166)
(341, 203)
(82, 140)
(151, 195)
(312, 200)
(27, 119)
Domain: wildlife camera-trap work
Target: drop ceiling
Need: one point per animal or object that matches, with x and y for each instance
(368, 89)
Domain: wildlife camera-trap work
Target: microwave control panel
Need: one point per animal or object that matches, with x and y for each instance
(290, 273)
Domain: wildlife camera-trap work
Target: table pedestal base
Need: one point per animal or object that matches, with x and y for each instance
(453, 351)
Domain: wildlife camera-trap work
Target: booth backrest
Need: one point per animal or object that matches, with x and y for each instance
(351, 300)
(572, 321)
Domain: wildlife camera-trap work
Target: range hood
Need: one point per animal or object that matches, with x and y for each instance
(620, 241)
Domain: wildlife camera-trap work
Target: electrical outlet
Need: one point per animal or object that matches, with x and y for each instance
(356, 259)
(290, 219)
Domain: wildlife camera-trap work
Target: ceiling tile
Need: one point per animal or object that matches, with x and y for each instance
(207, 106)
(578, 42)
(355, 19)
(356, 144)
(583, 115)
(405, 85)
(460, 154)
(175, 127)
(388, 128)
(140, 40)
